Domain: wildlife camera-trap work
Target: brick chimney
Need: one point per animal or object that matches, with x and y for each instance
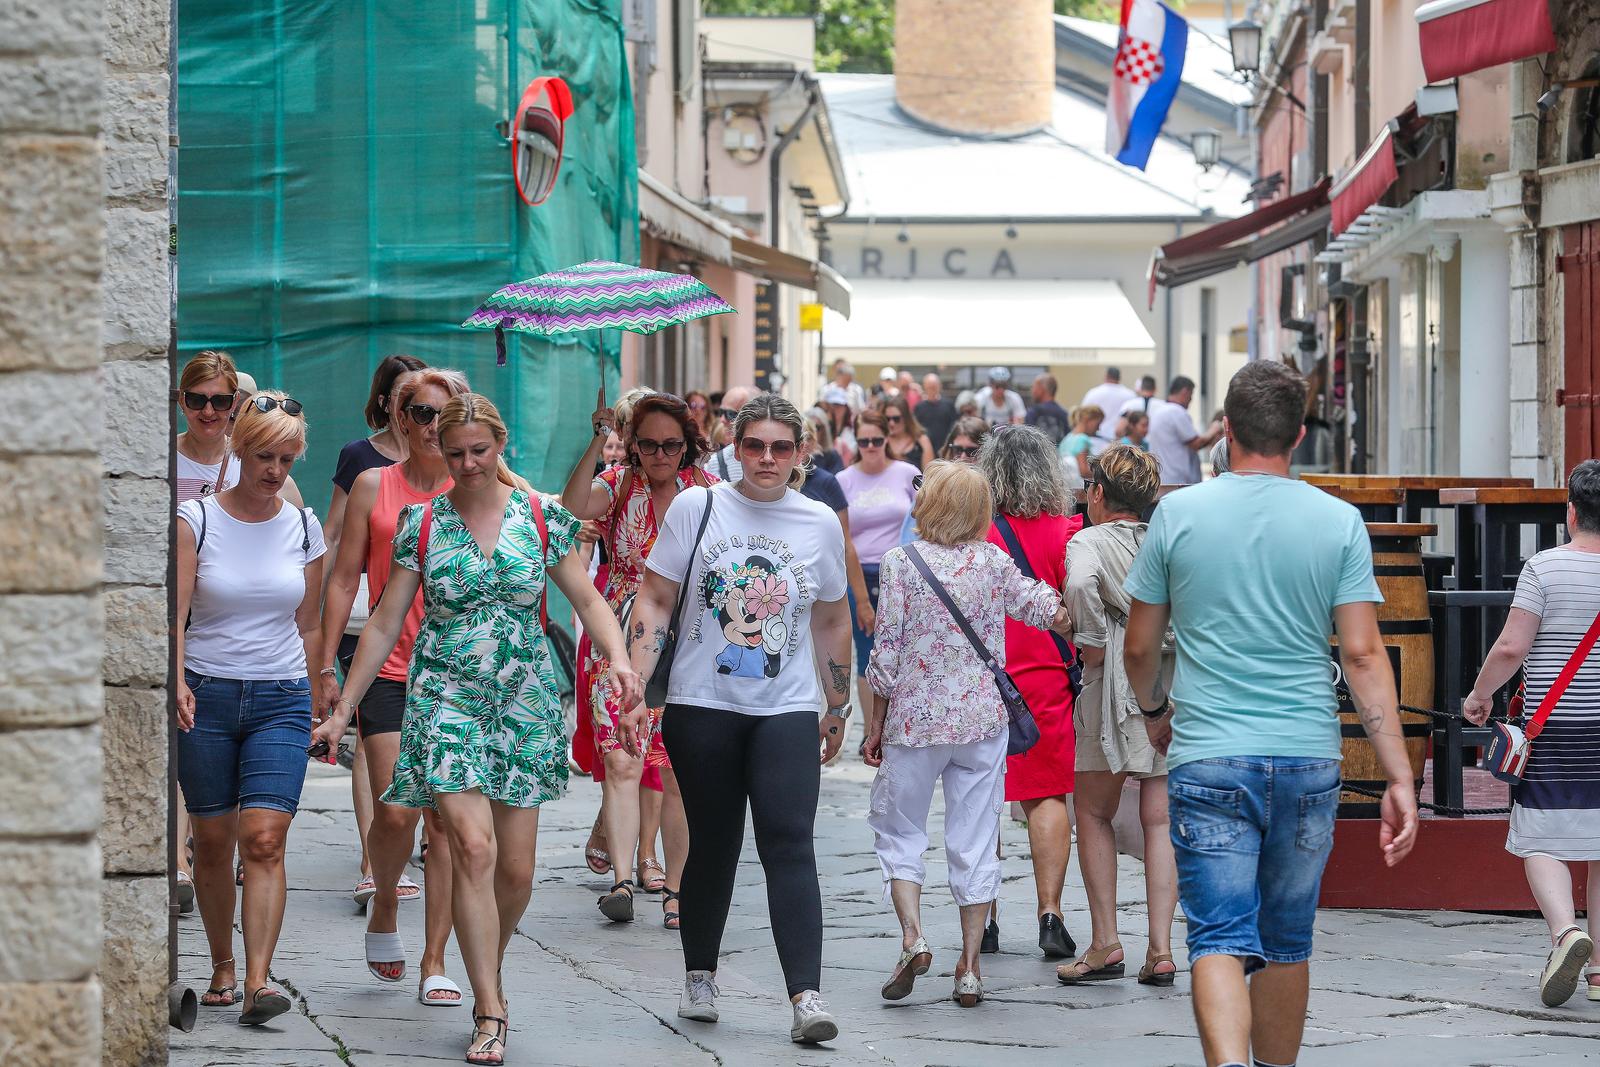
(975, 66)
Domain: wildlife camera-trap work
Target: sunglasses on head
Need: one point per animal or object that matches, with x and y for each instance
(727, 414)
(671, 446)
(422, 414)
(754, 448)
(198, 401)
(289, 404)
(961, 451)
(871, 442)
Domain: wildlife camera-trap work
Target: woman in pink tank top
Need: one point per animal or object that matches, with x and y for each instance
(371, 514)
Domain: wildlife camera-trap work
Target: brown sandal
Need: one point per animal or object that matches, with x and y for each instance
(1092, 967)
(1148, 975)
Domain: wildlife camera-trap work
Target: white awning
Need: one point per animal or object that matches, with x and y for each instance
(988, 323)
(673, 218)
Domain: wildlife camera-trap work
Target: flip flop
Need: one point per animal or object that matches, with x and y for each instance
(438, 983)
(406, 889)
(268, 1003)
(598, 859)
(217, 995)
(386, 948)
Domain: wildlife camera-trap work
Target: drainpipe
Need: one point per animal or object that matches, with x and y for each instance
(774, 224)
(1166, 321)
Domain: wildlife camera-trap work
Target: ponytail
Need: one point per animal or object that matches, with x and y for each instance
(510, 477)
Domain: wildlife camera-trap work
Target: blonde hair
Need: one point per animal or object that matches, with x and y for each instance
(467, 408)
(453, 382)
(624, 410)
(1086, 412)
(954, 505)
(255, 430)
(1129, 476)
(206, 366)
(770, 407)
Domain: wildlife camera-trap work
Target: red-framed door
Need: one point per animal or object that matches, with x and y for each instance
(1579, 395)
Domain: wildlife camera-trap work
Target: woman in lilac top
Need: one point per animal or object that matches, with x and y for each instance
(880, 491)
(936, 713)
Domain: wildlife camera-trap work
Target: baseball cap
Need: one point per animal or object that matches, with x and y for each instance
(999, 374)
(834, 394)
(247, 384)
(887, 374)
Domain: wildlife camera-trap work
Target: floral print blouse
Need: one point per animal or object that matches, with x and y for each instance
(939, 691)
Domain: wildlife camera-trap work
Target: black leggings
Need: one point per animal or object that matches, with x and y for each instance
(722, 759)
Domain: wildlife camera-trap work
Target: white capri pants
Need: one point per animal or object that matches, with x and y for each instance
(974, 790)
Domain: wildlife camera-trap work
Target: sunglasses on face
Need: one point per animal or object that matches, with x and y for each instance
(753, 448)
(670, 447)
(198, 401)
(422, 414)
(893, 419)
(961, 451)
(727, 414)
(697, 405)
(264, 404)
(871, 442)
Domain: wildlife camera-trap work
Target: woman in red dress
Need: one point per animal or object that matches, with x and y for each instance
(1033, 507)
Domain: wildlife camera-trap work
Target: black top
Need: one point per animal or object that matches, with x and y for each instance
(828, 460)
(1052, 418)
(355, 457)
(937, 416)
(824, 488)
(912, 455)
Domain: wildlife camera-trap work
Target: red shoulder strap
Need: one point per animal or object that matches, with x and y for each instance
(1569, 672)
(544, 545)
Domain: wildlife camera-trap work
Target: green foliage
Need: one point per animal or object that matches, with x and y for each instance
(857, 36)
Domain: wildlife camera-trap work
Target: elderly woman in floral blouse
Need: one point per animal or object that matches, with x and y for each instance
(937, 713)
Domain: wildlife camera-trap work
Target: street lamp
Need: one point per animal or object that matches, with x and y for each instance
(1244, 41)
(1207, 148)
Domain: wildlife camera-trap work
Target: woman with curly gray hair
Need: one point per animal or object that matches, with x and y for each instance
(1033, 522)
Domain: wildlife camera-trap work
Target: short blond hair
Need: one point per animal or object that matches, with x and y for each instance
(955, 505)
(255, 430)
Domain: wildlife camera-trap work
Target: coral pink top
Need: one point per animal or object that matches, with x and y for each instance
(394, 493)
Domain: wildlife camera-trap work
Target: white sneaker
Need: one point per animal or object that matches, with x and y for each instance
(699, 1000)
(812, 1023)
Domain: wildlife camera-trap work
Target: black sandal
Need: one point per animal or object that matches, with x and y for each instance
(495, 1046)
(672, 920)
(617, 905)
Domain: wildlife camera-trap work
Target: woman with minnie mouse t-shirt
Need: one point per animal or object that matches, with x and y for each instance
(763, 575)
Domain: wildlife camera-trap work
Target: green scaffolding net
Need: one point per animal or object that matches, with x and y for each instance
(345, 192)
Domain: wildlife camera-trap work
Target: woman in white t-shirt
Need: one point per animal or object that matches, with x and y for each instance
(249, 576)
(762, 572)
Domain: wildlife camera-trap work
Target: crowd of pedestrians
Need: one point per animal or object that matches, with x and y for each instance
(733, 563)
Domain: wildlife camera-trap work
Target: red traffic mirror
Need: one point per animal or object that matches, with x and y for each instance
(536, 137)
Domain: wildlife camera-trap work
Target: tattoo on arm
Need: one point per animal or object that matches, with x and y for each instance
(658, 638)
(839, 675)
(635, 634)
(1158, 693)
(1372, 718)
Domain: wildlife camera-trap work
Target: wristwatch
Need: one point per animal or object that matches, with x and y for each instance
(840, 712)
(1166, 706)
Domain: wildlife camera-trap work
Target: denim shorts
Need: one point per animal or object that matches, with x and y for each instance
(248, 745)
(1252, 834)
(864, 640)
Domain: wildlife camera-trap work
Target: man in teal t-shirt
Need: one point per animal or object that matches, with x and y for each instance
(1253, 571)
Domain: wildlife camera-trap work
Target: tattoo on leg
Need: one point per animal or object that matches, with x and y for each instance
(839, 675)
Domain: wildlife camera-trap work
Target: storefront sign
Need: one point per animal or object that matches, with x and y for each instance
(909, 262)
(811, 317)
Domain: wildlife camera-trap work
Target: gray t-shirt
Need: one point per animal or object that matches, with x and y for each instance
(1003, 414)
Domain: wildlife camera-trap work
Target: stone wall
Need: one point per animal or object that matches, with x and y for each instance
(51, 256)
(137, 448)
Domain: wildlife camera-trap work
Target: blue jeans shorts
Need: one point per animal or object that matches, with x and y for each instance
(864, 640)
(248, 745)
(1252, 834)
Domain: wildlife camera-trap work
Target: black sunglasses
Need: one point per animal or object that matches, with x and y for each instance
(916, 483)
(965, 451)
(422, 414)
(894, 418)
(289, 404)
(670, 447)
(727, 414)
(198, 401)
(871, 442)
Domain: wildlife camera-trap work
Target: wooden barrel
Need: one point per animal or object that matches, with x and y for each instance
(1407, 629)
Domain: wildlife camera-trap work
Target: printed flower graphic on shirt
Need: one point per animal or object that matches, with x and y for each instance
(767, 596)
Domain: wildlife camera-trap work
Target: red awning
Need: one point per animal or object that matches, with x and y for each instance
(1366, 182)
(1461, 36)
(1223, 246)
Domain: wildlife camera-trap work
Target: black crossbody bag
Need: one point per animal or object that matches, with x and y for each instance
(1023, 731)
(655, 690)
(1069, 652)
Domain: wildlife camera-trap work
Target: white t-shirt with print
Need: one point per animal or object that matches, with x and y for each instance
(744, 644)
(249, 583)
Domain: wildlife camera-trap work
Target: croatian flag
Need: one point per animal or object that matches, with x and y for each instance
(1144, 78)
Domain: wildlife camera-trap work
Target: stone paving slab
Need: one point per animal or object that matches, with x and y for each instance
(1408, 989)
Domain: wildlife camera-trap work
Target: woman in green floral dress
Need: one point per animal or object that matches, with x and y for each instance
(484, 740)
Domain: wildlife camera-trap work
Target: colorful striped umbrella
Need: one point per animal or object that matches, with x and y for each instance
(596, 295)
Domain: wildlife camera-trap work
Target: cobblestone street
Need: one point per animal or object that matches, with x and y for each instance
(1403, 989)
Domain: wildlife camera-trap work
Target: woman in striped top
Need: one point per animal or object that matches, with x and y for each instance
(1555, 814)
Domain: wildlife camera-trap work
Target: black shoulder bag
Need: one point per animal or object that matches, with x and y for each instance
(1023, 731)
(655, 690)
(1069, 651)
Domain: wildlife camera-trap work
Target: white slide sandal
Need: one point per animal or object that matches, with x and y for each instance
(386, 948)
(438, 983)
